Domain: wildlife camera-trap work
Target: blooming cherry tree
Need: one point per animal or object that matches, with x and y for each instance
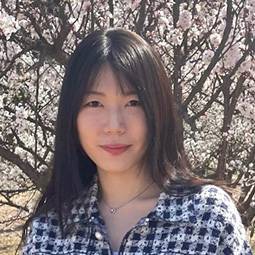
(208, 51)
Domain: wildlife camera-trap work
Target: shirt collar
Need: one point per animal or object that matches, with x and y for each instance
(85, 206)
(169, 207)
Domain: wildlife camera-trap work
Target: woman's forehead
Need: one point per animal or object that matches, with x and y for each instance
(124, 87)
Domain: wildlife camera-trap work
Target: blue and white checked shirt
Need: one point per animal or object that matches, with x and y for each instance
(203, 222)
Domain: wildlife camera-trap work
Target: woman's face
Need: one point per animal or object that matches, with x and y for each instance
(108, 118)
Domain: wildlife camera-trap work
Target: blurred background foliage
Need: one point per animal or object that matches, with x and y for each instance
(208, 51)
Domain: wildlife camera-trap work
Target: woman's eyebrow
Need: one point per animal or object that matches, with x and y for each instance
(127, 93)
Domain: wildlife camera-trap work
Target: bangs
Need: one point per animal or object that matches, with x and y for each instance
(124, 84)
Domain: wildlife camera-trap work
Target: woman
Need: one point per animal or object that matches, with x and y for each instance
(121, 183)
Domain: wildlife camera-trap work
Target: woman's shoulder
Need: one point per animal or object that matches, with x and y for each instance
(216, 209)
(212, 199)
(207, 195)
(212, 194)
(44, 224)
(40, 229)
(206, 203)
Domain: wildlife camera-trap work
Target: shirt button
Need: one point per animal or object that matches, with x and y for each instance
(91, 219)
(147, 221)
(98, 236)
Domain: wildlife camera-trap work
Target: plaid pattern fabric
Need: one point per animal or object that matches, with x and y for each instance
(203, 222)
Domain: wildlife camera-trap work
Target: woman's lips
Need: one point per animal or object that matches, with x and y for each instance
(115, 150)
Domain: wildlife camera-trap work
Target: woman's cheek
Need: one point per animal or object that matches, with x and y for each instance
(90, 117)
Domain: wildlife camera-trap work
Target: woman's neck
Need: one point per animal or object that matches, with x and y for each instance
(119, 188)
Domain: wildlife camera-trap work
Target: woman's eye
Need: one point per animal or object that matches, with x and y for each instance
(93, 104)
(134, 103)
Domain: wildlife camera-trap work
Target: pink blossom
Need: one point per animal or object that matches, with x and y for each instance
(134, 3)
(86, 5)
(246, 65)
(207, 56)
(185, 20)
(232, 56)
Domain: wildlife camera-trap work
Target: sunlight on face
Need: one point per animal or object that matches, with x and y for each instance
(108, 117)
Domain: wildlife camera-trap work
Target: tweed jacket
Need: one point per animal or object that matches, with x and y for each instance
(204, 221)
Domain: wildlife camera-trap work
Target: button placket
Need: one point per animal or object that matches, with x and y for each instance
(143, 223)
(99, 236)
(91, 219)
(144, 227)
(146, 221)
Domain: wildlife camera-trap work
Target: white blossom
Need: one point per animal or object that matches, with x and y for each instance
(175, 37)
(215, 39)
(8, 24)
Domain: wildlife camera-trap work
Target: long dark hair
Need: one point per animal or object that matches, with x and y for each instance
(134, 61)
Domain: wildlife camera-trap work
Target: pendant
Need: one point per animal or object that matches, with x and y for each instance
(113, 210)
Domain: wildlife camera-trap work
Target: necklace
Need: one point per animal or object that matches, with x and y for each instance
(114, 210)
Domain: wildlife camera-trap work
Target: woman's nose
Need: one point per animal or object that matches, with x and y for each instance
(115, 122)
